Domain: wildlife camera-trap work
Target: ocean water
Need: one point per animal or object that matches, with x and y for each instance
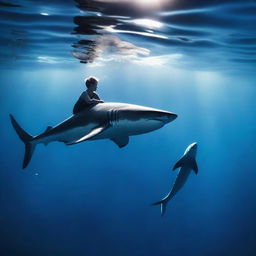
(194, 58)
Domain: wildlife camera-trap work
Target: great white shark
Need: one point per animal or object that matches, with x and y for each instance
(186, 164)
(115, 121)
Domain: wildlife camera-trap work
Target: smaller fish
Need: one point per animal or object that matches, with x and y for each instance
(186, 164)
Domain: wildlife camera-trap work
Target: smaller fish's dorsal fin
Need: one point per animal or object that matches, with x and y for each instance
(95, 131)
(48, 128)
(188, 161)
(193, 165)
(180, 163)
(121, 141)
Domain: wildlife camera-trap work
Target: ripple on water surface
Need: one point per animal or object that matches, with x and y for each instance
(192, 34)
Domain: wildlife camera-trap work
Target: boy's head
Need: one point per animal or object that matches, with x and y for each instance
(91, 82)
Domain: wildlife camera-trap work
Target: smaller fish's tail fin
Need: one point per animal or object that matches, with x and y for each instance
(27, 140)
(163, 204)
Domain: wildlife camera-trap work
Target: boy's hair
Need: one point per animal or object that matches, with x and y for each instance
(90, 80)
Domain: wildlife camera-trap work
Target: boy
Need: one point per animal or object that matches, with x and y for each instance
(89, 96)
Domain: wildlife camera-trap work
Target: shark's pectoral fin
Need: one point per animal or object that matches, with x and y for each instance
(180, 163)
(194, 166)
(121, 141)
(91, 134)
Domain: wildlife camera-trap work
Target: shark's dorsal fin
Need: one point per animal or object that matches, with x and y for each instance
(97, 130)
(179, 164)
(48, 128)
(121, 141)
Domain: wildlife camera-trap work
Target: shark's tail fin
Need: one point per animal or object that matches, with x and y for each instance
(163, 204)
(27, 139)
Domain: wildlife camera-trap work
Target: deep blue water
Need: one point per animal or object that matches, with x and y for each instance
(194, 58)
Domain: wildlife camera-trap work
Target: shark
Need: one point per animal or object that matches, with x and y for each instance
(110, 120)
(187, 163)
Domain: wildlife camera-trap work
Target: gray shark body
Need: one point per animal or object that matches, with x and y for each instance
(186, 164)
(115, 121)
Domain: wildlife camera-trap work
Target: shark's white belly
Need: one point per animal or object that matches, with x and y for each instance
(129, 128)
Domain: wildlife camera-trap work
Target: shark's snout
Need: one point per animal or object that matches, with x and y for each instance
(172, 116)
(157, 115)
(166, 117)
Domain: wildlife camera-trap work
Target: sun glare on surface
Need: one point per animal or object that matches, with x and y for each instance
(141, 3)
(148, 23)
(149, 3)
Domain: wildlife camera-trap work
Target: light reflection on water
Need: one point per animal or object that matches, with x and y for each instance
(204, 36)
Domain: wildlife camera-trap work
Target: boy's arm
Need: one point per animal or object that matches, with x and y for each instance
(88, 100)
(96, 96)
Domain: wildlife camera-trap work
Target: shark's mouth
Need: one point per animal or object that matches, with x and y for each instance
(163, 120)
(158, 119)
